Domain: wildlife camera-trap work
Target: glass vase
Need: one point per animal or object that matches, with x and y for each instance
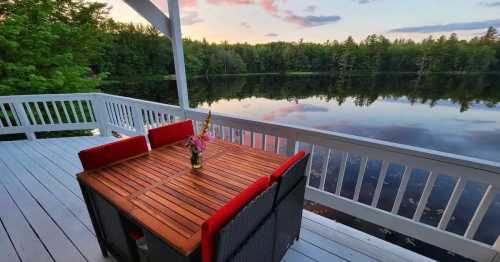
(196, 160)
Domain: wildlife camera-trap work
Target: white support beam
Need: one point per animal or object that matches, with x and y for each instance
(171, 27)
(152, 14)
(178, 51)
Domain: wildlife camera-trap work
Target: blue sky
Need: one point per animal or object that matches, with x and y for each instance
(257, 21)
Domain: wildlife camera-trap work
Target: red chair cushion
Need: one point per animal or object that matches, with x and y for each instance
(169, 134)
(106, 154)
(282, 169)
(218, 220)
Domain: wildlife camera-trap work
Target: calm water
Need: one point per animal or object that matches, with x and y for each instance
(454, 114)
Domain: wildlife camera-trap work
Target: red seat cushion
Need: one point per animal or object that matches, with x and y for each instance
(225, 214)
(169, 134)
(109, 153)
(282, 169)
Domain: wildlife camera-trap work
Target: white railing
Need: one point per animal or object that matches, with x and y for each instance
(30, 114)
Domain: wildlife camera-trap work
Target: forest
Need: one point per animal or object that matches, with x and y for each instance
(73, 46)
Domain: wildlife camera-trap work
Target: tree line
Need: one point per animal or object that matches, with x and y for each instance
(73, 45)
(463, 90)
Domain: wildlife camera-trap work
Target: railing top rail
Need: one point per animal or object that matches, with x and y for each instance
(43, 97)
(447, 158)
(285, 130)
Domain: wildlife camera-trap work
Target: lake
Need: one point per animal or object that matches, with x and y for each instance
(455, 114)
(450, 113)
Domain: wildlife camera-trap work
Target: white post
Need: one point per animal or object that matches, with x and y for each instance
(101, 114)
(138, 120)
(180, 70)
(23, 118)
(496, 247)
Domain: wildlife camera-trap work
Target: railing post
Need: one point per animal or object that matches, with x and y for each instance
(496, 247)
(138, 120)
(291, 144)
(23, 118)
(100, 112)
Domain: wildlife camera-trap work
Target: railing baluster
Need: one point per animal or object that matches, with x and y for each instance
(91, 111)
(48, 112)
(151, 119)
(39, 112)
(119, 113)
(80, 107)
(401, 189)
(5, 115)
(324, 170)
(264, 142)
(359, 181)
(425, 196)
(30, 112)
(252, 139)
(130, 116)
(56, 110)
(309, 164)
(73, 111)
(162, 119)
(380, 183)
(276, 144)
(223, 132)
(452, 203)
(343, 166)
(15, 114)
(123, 113)
(291, 146)
(480, 212)
(242, 137)
(68, 120)
(231, 134)
(110, 114)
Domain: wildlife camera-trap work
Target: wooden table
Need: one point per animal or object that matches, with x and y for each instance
(160, 192)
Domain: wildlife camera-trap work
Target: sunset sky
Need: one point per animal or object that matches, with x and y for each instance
(257, 21)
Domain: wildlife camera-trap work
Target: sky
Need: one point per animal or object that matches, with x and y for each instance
(260, 21)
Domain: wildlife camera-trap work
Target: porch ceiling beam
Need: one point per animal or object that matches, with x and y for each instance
(152, 14)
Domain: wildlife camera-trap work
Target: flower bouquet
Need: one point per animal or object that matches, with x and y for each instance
(198, 143)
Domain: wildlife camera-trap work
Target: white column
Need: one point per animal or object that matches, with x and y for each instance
(178, 52)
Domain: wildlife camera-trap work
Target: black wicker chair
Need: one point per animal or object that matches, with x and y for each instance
(248, 235)
(288, 204)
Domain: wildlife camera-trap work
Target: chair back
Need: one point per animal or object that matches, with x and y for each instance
(290, 174)
(169, 134)
(250, 234)
(106, 154)
(226, 230)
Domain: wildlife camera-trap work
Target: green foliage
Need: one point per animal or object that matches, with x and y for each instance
(49, 46)
(136, 51)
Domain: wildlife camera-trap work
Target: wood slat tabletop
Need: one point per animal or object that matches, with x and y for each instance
(161, 191)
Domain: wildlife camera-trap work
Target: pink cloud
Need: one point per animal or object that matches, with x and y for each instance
(231, 2)
(294, 108)
(270, 6)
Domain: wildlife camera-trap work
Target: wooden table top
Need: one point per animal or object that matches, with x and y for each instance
(162, 193)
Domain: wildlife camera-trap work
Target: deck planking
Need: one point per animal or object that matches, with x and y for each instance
(43, 216)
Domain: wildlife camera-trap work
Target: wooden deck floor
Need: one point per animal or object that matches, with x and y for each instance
(43, 216)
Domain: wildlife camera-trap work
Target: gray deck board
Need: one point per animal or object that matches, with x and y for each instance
(47, 219)
(53, 238)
